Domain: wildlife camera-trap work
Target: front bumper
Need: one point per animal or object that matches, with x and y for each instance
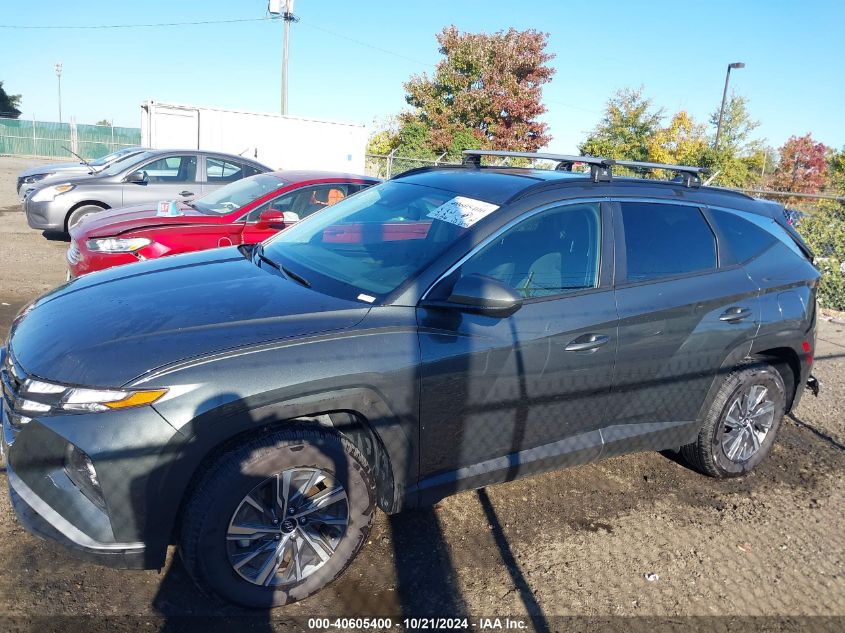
(38, 518)
(46, 215)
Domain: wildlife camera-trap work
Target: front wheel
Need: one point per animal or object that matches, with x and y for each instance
(741, 425)
(77, 215)
(278, 518)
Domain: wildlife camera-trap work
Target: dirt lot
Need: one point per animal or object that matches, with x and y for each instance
(573, 543)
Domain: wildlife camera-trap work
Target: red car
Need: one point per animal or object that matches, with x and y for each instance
(243, 212)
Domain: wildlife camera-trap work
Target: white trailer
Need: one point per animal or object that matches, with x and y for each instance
(280, 142)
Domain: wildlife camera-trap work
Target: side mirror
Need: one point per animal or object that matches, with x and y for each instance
(483, 295)
(137, 177)
(275, 219)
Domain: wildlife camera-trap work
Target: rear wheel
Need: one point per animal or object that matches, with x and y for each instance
(278, 517)
(740, 428)
(78, 214)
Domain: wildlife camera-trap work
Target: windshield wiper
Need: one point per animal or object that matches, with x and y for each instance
(296, 277)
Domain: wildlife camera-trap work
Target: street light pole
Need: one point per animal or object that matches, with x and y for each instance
(724, 98)
(59, 76)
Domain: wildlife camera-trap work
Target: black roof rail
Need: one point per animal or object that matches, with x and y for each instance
(690, 175)
(599, 167)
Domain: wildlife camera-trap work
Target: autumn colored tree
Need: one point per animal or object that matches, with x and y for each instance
(485, 92)
(682, 142)
(836, 172)
(628, 128)
(802, 167)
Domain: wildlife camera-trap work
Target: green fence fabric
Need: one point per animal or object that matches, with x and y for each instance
(20, 137)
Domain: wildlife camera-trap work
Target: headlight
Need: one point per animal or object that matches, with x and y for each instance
(49, 193)
(36, 177)
(117, 244)
(39, 396)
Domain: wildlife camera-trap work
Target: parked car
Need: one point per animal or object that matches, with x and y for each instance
(243, 212)
(150, 176)
(34, 177)
(449, 329)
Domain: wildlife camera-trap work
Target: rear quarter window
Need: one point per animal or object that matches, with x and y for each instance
(744, 239)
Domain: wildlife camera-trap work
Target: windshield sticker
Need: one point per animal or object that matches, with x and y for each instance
(367, 298)
(464, 212)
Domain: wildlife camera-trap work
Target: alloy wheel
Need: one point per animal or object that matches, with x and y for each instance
(287, 527)
(749, 418)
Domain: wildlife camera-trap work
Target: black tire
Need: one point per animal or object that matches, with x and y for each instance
(708, 454)
(224, 486)
(77, 214)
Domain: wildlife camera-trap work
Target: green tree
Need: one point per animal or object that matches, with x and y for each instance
(824, 230)
(682, 142)
(628, 128)
(9, 104)
(836, 172)
(739, 158)
(485, 92)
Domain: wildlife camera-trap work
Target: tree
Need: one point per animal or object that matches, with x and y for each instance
(628, 128)
(9, 104)
(682, 142)
(485, 92)
(104, 122)
(836, 171)
(737, 126)
(739, 158)
(802, 167)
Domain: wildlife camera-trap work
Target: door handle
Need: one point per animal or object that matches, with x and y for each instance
(734, 315)
(186, 193)
(587, 343)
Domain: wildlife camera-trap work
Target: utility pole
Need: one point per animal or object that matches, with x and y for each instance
(724, 97)
(59, 76)
(276, 7)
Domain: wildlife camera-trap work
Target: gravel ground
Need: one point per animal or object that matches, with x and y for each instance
(580, 542)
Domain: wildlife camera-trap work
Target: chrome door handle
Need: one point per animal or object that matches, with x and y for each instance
(733, 315)
(587, 343)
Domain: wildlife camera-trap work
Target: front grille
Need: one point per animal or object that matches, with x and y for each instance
(73, 253)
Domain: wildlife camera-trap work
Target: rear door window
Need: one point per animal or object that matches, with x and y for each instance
(666, 240)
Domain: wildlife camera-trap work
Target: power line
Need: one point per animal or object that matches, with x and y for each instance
(131, 26)
(366, 45)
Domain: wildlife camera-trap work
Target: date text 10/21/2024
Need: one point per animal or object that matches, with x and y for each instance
(419, 624)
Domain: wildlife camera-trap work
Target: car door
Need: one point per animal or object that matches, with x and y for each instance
(502, 397)
(171, 177)
(219, 172)
(302, 202)
(684, 307)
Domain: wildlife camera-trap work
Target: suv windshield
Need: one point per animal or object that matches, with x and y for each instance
(235, 195)
(373, 241)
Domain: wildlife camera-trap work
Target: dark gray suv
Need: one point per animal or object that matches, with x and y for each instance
(451, 328)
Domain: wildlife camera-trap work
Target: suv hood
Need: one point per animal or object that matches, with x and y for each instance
(117, 221)
(108, 328)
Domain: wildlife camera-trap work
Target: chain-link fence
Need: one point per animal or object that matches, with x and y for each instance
(389, 165)
(48, 139)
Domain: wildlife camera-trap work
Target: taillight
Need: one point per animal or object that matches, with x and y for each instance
(808, 352)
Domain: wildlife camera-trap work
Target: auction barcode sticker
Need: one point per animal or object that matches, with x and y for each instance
(464, 212)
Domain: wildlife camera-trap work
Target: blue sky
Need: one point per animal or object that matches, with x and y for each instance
(794, 51)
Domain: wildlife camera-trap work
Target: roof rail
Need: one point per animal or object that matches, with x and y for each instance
(599, 167)
(691, 175)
